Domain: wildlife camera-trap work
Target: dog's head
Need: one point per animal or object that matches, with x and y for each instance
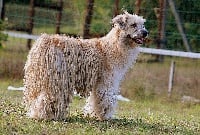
(132, 27)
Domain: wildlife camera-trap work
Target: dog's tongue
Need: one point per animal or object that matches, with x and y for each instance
(139, 41)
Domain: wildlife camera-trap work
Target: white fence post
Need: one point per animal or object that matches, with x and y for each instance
(171, 78)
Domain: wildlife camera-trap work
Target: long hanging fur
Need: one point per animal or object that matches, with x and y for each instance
(58, 65)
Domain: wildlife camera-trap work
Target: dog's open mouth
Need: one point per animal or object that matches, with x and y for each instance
(139, 40)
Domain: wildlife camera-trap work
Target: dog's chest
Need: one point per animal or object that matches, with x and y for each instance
(121, 69)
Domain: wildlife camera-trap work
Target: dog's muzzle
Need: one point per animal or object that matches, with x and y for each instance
(141, 37)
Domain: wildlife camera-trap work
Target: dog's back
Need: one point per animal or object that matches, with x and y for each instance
(56, 61)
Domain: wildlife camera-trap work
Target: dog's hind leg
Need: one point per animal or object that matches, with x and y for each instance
(44, 107)
(39, 108)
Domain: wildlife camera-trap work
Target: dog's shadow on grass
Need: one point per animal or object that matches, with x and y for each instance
(123, 124)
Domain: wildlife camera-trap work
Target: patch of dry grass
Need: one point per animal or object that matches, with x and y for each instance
(12, 58)
(152, 78)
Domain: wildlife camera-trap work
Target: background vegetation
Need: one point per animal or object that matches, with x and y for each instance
(3, 37)
(74, 12)
(150, 111)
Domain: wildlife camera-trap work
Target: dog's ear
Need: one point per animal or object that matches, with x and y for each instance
(120, 20)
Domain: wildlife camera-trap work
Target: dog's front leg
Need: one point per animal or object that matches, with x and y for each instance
(101, 103)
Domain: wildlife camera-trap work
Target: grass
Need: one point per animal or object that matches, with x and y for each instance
(148, 112)
(136, 117)
(12, 58)
(152, 78)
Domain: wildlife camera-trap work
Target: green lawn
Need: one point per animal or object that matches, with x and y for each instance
(148, 112)
(158, 116)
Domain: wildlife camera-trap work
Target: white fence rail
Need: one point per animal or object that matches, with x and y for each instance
(170, 53)
(20, 35)
(142, 49)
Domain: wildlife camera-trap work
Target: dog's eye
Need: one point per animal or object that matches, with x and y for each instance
(134, 25)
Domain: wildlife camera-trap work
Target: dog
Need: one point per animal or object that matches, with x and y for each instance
(58, 65)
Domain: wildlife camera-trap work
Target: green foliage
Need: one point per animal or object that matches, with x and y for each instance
(74, 12)
(101, 14)
(3, 36)
(189, 12)
(26, 2)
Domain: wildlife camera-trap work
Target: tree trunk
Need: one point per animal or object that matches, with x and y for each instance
(88, 19)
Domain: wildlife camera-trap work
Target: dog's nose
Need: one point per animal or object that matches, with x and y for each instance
(144, 33)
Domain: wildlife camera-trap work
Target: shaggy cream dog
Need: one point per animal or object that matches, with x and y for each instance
(57, 66)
